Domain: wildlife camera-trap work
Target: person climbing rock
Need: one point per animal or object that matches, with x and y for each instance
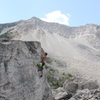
(41, 65)
(43, 58)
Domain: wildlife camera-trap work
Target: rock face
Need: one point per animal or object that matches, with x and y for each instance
(72, 86)
(61, 94)
(88, 85)
(77, 90)
(19, 78)
(87, 95)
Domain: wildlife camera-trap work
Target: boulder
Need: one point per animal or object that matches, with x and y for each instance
(87, 94)
(60, 89)
(70, 87)
(56, 92)
(88, 85)
(61, 95)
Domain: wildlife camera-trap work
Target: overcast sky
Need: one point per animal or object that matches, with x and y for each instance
(68, 12)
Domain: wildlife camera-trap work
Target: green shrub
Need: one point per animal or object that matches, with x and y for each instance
(56, 82)
(51, 78)
(49, 60)
(5, 35)
(67, 75)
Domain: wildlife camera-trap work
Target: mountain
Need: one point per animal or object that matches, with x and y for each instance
(78, 47)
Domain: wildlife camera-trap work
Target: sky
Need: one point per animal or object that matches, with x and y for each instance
(68, 12)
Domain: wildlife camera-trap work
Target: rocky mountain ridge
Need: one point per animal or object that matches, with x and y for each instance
(90, 31)
(74, 45)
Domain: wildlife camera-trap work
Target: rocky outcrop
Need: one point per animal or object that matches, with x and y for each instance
(77, 89)
(19, 78)
(61, 94)
(87, 94)
(71, 86)
(88, 85)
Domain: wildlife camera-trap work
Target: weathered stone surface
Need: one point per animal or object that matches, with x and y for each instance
(60, 94)
(87, 94)
(57, 91)
(70, 87)
(60, 89)
(88, 85)
(19, 78)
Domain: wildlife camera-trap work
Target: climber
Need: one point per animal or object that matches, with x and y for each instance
(43, 58)
(41, 65)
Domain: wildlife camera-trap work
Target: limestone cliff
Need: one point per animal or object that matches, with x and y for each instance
(19, 78)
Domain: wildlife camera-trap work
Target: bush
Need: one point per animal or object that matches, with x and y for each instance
(5, 35)
(67, 75)
(56, 82)
(49, 60)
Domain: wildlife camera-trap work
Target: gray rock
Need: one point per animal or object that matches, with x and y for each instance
(88, 85)
(60, 89)
(72, 98)
(57, 91)
(87, 94)
(60, 95)
(70, 87)
(19, 78)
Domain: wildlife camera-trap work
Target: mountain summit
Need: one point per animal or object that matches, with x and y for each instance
(79, 46)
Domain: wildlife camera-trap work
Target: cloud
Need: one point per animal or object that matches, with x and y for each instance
(58, 17)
